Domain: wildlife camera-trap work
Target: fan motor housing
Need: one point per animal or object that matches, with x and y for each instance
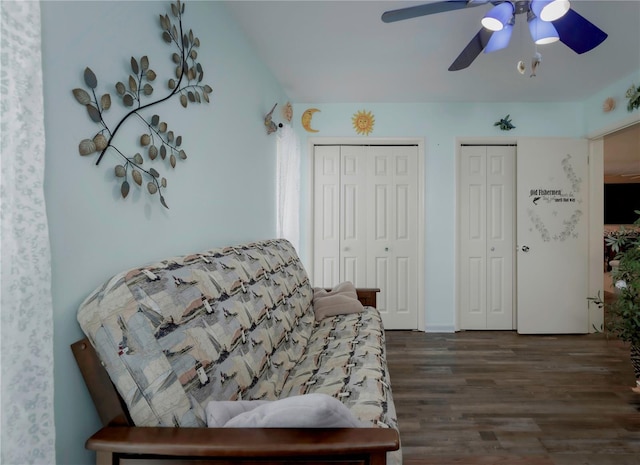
(522, 6)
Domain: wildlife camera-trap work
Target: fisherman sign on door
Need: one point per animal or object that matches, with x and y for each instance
(550, 195)
(555, 211)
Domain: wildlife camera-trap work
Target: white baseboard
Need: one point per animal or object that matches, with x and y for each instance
(440, 329)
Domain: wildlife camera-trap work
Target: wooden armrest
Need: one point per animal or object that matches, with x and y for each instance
(111, 408)
(229, 443)
(366, 295)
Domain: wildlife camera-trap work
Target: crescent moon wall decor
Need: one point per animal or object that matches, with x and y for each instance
(306, 119)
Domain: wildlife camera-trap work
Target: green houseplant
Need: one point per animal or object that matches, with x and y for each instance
(623, 311)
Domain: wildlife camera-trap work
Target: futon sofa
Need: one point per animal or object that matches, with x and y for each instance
(232, 333)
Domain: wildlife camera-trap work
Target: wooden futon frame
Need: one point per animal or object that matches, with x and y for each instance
(119, 441)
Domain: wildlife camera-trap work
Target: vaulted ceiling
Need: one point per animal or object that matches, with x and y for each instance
(340, 51)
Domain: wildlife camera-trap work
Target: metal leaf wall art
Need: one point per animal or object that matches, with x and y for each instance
(157, 142)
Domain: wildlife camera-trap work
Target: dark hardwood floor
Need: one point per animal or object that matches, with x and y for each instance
(480, 398)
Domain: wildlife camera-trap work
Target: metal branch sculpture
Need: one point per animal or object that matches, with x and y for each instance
(156, 138)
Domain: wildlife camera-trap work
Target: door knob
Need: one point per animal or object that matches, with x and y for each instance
(525, 248)
(493, 249)
(386, 249)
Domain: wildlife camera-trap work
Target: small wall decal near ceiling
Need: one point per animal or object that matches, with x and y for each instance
(363, 122)
(548, 21)
(608, 105)
(633, 94)
(287, 112)
(505, 124)
(306, 118)
(269, 123)
(156, 138)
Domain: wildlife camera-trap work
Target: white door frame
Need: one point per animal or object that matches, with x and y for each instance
(419, 142)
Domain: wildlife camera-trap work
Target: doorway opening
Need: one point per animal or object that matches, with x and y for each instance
(621, 166)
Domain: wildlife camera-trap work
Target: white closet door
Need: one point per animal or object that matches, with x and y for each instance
(500, 237)
(486, 233)
(392, 241)
(326, 216)
(472, 281)
(365, 225)
(353, 215)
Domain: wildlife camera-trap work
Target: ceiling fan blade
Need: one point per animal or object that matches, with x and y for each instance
(578, 33)
(427, 9)
(472, 50)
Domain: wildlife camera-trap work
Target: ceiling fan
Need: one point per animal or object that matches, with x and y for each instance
(548, 20)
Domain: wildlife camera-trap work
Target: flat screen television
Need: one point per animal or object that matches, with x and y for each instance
(620, 202)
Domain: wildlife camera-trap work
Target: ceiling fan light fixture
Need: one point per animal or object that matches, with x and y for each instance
(499, 39)
(543, 32)
(498, 16)
(550, 10)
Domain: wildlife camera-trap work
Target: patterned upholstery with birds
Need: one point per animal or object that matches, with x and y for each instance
(234, 323)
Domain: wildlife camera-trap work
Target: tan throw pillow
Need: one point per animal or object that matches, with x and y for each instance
(346, 288)
(341, 300)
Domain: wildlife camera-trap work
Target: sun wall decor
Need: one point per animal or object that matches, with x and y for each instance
(135, 93)
(363, 122)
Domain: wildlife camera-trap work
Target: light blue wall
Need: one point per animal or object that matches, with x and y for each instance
(441, 125)
(224, 193)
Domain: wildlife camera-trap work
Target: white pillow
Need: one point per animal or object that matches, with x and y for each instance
(305, 411)
(219, 412)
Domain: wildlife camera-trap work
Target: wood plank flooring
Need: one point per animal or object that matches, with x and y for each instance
(485, 398)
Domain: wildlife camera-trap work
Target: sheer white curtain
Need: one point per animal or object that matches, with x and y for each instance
(288, 186)
(26, 315)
